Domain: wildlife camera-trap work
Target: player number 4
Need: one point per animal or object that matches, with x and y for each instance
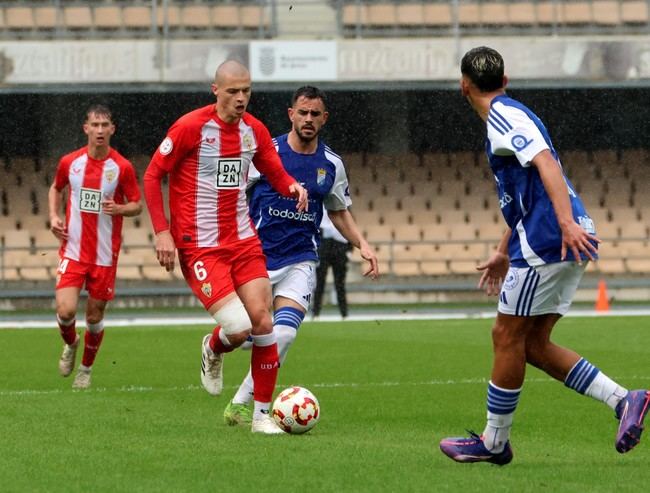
(199, 271)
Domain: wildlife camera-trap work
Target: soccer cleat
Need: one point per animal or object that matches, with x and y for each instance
(472, 449)
(631, 412)
(82, 379)
(66, 362)
(237, 414)
(266, 424)
(211, 368)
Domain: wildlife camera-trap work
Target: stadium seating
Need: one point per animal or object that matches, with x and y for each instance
(413, 18)
(428, 214)
(108, 19)
(251, 18)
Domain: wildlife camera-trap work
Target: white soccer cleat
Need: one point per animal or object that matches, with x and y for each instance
(211, 368)
(266, 424)
(66, 362)
(81, 379)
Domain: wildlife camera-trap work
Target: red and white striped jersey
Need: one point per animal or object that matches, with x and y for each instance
(94, 237)
(207, 161)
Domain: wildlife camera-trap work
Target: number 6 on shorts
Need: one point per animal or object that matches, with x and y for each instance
(199, 271)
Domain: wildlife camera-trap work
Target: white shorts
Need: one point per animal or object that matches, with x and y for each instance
(295, 282)
(529, 291)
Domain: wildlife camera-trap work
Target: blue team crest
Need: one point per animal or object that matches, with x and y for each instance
(511, 280)
(321, 174)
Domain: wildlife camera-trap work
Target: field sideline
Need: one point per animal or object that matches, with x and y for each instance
(389, 391)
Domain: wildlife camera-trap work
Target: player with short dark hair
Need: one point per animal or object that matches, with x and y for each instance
(290, 239)
(536, 268)
(102, 188)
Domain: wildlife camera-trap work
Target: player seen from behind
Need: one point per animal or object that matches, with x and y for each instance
(536, 268)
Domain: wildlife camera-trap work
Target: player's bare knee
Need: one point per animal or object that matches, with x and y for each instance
(504, 336)
(94, 313)
(94, 316)
(66, 311)
(263, 326)
(234, 321)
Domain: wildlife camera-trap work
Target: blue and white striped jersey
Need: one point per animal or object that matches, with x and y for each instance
(515, 135)
(289, 236)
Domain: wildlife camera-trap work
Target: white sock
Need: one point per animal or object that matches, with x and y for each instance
(497, 431)
(606, 390)
(260, 409)
(244, 394)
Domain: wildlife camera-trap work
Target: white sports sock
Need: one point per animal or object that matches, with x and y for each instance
(497, 431)
(606, 390)
(260, 409)
(244, 394)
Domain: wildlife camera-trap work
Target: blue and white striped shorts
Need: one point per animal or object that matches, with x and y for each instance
(549, 288)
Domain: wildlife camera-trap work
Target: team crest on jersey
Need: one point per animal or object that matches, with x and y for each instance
(110, 175)
(166, 146)
(321, 174)
(248, 141)
(206, 289)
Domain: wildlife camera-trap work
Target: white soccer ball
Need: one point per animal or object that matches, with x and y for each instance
(296, 410)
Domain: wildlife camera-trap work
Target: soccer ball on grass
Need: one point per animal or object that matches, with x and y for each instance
(296, 410)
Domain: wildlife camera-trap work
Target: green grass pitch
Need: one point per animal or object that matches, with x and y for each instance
(389, 391)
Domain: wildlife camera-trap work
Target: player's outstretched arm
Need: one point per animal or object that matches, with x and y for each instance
(574, 238)
(347, 226)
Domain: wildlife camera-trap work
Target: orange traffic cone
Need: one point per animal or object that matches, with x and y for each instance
(602, 301)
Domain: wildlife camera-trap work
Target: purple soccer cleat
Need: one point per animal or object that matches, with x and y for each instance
(631, 412)
(472, 449)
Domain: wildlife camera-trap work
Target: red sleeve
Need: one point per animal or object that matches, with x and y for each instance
(267, 161)
(170, 152)
(129, 183)
(61, 179)
(154, 197)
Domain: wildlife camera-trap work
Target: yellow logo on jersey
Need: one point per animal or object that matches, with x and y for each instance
(206, 289)
(110, 175)
(248, 141)
(321, 174)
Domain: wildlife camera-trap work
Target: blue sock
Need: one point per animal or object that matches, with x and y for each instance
(289, 316)
(581, 376)
(501, 405)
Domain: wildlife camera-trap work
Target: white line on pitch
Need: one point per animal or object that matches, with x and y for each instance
(325, 385)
